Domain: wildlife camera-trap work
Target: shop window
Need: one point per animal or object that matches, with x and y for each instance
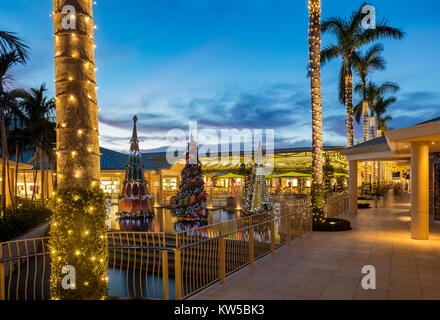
(110, 185)
(169, 184)
(292, 182)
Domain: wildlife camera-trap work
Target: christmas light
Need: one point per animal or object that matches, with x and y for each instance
(79, 190)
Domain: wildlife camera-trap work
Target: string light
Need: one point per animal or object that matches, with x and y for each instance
(68, 206)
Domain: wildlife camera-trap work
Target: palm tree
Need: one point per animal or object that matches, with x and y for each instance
(14, 119)
(12, 50)
(373, 93)
(350, 37)
(7, 60)
(363, 65)
(380, 108)
(39, 110)
(382, 125)
(315, 83)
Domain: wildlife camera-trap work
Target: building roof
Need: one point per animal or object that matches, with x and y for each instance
(114, 160)
(373, 145)
(429, 121)
(395, 143)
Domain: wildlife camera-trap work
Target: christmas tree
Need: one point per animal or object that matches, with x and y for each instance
(191, 199)
(257, 198)
(135, 201)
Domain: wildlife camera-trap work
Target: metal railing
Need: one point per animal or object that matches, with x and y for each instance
(146, 265)
(24, 269)
(336, 205)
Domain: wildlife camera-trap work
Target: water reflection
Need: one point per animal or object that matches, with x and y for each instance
(164, 221)
(183, 225)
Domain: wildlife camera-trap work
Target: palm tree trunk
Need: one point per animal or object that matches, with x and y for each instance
(315, 82)
(372, 127)
(349, 105)
(35, 174)
(78, 162)
(42, 176)
(4, 152)
(11, 190)
(16, 172)
(366, 118)
(24, 177)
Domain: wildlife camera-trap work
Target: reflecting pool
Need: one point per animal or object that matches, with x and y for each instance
(164, 221)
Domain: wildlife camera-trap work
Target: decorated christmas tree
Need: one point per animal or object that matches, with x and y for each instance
(191, 199)
(257, 198)
(135, 201)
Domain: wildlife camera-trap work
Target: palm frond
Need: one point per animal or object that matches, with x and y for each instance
(382, 31)
(335, 25)
(329, 53)
(7, 60)
(358, 112)
(10, 42)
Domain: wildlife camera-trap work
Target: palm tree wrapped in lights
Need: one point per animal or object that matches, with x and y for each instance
(315, 85)
(78, 226)
(363, 65)
(350, 36)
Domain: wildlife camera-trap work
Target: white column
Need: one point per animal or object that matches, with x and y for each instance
(420, 190)
(353, 186)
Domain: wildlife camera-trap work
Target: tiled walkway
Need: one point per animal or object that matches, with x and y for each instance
(328, 265)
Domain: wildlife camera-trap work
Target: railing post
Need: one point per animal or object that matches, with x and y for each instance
(166, 288)
(222, 259)
(272, 237)
(251, 247)
(288, 222)
(301, 222)
(178, 274)
(2, 276)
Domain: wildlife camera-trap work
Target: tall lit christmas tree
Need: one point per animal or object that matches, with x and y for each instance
(135, 201)
(257, 198)
(191, 199)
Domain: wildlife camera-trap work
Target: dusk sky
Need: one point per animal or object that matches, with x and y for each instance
(228, 64)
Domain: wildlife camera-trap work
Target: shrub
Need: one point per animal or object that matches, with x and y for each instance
(17, 222)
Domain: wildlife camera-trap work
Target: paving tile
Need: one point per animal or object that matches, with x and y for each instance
(377, 294)
(328, 265)
(306, 292)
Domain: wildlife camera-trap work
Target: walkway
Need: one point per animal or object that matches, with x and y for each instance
(328, 265)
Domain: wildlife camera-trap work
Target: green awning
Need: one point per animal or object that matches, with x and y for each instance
(291, 174)
(231, 176)
(337, 174)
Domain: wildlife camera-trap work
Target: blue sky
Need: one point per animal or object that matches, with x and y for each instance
(228, 64)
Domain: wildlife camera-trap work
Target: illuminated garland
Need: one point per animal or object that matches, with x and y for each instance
(256, 185)
(79, 239)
